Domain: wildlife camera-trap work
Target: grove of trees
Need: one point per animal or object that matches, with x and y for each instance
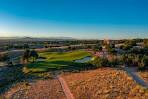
(30, 54)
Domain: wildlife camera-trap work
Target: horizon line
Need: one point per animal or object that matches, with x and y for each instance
(63, 37)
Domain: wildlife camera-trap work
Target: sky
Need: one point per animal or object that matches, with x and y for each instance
(85, 19)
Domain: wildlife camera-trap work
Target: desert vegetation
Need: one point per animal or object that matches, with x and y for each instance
(73, 49)
(102, 75)
(104, 83)
(50, 89)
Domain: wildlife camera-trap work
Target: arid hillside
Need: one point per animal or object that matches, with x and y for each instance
(42, 89)
(104, 83)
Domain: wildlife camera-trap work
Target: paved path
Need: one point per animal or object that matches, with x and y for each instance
(65, 87)
(132, 72)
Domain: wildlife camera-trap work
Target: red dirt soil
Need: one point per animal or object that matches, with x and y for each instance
(104, 83)
(43, 89)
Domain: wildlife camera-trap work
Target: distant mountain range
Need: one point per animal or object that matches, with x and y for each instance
(36, 38)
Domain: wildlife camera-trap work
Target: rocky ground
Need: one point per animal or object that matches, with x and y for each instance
(42, 89)
(104, 83)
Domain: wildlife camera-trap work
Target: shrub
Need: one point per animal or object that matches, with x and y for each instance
(3, 57)
(26, 55)
(141, 66)
(130, 59)
(34, 55)
(145, 60)
(144, 63)
(100, 62)
(113, 62)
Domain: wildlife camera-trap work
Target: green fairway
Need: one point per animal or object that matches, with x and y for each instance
(56, 60)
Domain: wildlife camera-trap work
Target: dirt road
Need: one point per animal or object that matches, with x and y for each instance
(65, 87)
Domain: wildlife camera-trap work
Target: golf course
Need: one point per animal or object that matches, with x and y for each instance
(56, 60)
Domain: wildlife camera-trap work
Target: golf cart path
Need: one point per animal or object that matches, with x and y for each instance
(132, 72)
(65, 88)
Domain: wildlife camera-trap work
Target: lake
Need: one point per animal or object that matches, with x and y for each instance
(83, 60)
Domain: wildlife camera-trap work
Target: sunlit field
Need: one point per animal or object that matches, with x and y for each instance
(56, 60)
(104, 83)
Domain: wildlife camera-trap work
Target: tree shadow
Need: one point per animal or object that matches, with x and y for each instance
(10, 76)
(73, 66)
(58, 65)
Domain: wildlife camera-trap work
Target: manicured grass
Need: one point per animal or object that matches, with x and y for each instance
(65, 56)
(56, 60)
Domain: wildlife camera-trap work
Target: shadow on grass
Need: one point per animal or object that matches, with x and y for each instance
(10, 76)
(59, 65)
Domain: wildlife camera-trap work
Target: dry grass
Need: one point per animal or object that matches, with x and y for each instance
(42, 89)
(104, 83)
(144, 75)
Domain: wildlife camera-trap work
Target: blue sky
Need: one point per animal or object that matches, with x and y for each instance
(97, 19)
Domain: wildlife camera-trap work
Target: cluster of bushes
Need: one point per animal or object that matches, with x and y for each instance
(136, 57)
(99, 62)
(138, 51)
(135, 60)
(104, 62)
(128, 60)
(30, 54)
(3, 57)
(128, 44)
